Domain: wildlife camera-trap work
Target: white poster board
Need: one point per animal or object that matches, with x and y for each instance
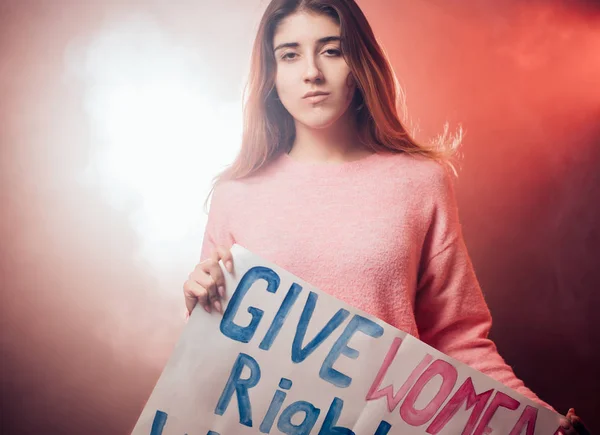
(286, 358)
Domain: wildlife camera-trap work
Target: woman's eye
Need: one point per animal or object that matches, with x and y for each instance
(333, 52)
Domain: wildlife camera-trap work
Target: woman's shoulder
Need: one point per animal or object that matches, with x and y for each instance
(232, 189)
(419, 171)
(225, 190)
(426, 184)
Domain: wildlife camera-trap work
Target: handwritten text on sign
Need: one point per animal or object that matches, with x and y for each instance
(288, 358)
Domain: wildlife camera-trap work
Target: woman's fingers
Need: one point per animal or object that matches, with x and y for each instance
(225, 255)
(206, 283)
(577, 424)
(216, 291)
(195, 293)
(566, 428)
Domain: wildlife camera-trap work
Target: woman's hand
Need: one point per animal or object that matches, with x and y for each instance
(573, 425)
(206, 283)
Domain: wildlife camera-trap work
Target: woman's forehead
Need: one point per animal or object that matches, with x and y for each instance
(305, 27)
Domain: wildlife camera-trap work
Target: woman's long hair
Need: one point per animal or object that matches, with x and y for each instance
(269, 128)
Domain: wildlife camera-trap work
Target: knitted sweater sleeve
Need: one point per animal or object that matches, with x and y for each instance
(451, 313)
(216, 233)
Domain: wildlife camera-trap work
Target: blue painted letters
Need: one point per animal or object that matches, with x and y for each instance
(358, 323)
(236, 332)
(299, 354)
(240, 387)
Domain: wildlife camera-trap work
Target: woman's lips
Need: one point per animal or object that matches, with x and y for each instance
(317, 98)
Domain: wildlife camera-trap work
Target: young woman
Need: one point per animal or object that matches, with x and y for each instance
(330, 186)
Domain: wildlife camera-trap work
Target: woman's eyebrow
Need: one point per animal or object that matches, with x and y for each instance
(323, 40)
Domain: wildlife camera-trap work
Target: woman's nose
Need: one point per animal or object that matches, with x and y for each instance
(313, 73)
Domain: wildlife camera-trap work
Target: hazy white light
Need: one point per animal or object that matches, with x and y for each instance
(159, 134)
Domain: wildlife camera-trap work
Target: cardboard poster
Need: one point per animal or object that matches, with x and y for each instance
(286, 358)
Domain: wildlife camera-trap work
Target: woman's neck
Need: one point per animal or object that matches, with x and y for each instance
(336, 143)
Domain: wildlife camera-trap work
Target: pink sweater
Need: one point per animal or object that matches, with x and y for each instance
(381, 234)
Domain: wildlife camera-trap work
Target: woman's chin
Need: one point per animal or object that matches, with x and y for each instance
(319, 122)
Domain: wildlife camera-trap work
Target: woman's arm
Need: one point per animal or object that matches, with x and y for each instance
(206, 283)
(452, 315)
(216, 233)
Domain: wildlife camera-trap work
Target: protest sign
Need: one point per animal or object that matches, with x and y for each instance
(286, 358)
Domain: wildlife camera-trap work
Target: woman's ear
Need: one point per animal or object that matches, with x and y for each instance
(351, 81)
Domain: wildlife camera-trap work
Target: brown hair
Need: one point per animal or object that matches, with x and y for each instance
(269, 128)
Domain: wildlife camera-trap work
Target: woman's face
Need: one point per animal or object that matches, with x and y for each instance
(309, 58)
